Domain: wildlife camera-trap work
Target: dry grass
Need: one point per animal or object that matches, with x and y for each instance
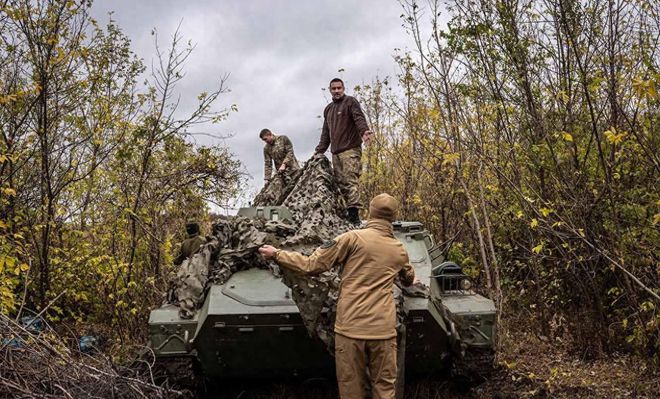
(528, 367)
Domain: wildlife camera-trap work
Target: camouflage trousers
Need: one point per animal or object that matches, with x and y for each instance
(353, 357)
(347, 166)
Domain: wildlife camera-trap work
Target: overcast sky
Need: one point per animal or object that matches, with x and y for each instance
(279, 55)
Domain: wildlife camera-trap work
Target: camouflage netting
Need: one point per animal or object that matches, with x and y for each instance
(313, 198)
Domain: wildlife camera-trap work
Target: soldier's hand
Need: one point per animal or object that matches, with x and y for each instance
(282, 168)
(267, 251)
(366, 136)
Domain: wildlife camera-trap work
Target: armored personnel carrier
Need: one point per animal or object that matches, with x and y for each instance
(250, 327)
(233, 314)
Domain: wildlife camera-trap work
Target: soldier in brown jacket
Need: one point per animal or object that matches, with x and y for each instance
(366, 313)
(278, 150)
(344, 130)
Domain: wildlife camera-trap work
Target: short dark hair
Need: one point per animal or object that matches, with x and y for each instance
(264, 132)
(336, 80)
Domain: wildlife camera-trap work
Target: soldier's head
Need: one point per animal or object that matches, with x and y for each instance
(383, 206)
(336, 88)
(192, 228)
(267, 136)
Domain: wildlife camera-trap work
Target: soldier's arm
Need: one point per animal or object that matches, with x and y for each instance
(268, 165)
(407, 273)
(323, 258)
(288, 146)
(324, 142)
(358, 117)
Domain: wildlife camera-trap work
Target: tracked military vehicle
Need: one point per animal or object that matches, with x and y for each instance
(250, 326)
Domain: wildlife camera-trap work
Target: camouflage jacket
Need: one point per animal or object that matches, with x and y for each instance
(280, 152)
(188, 248)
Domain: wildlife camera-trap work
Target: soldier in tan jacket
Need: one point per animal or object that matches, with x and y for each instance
(366, 313)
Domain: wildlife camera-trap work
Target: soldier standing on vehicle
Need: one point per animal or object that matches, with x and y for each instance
(190, 245)
(344, 130)
(365, 334)
(278, 150)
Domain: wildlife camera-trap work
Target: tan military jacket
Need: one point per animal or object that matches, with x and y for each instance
(280, 152)
(372, 258)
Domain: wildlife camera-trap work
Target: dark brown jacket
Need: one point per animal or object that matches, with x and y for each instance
(372, 258)
(343, 126)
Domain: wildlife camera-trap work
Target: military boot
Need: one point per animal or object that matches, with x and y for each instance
(353, 215)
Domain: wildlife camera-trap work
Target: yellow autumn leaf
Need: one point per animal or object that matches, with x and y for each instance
(644, 87)
(511, 365)
(545, 211)
(613, 137)
(537, 249)
(8, 98)
(519, 214)
(534, 223)
(567, 136)
(638, 85)
(656, 218)
(10, 192)
(449, 158)
(562, 96)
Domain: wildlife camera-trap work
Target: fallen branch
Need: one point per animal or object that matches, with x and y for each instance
(41, 365)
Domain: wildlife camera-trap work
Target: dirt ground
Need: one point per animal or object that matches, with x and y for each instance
(527, 367)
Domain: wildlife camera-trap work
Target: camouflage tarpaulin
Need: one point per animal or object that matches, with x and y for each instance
(313, 198)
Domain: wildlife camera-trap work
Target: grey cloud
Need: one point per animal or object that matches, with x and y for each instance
(279, 55)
